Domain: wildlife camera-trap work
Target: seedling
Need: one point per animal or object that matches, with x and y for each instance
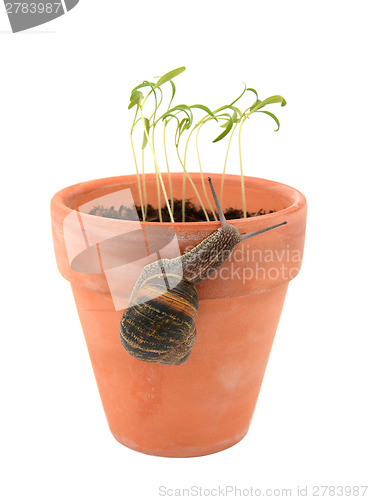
(229, 116)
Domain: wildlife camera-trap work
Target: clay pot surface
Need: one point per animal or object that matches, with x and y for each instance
(205, 405)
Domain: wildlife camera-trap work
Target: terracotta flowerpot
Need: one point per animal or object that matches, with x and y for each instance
(205, 405)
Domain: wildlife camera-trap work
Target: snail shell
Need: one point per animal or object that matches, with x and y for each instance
(159, 325)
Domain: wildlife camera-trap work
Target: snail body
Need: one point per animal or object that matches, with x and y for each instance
(159, 323)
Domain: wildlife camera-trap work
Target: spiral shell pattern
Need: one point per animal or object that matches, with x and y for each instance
(159, 324)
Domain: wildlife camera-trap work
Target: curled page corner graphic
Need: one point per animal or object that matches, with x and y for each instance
(26, 14)
(70, 4)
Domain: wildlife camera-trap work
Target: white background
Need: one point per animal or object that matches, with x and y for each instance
(64, 119)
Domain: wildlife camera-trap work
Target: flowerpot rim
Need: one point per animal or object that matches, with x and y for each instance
(70, 241)
(62, 201)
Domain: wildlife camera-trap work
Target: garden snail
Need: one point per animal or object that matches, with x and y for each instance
(159, 323)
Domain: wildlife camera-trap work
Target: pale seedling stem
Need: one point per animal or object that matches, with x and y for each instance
(157, 170)
(153, 149)
(136, 166)
(201, 172)
(241, 168)
(183, 163)
(183, 196)
(144, 215)
(168, 169)
(225, 164)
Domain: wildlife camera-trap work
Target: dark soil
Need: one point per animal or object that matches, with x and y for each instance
(193, 213)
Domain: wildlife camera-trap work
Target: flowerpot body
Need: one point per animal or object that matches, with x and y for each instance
(206, 404)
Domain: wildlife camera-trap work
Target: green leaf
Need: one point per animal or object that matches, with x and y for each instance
(134, 93)
(170, 116)
(204, 108)
(270, 100)
(235, 116)
(224, 116)
(239, 97)
(161, 99)
(254, 91)
(168, 76)
(180, 129)
(173, 93)
(229, 118)
(182, 125)
(226, 131)
(255, 104)
(136, 99)
(274, 118)
(228, 106)
(237, 110)
(143, 84)
(256, 94)
(146, 125)
(181, 107)
(275, 99)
